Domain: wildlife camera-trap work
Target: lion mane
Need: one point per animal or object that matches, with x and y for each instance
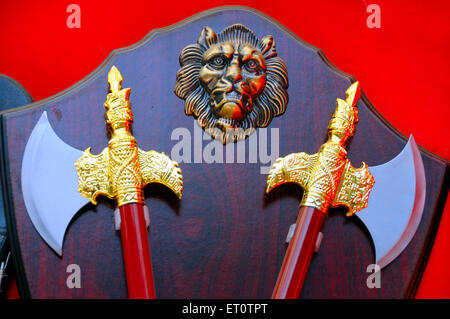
(271, 102)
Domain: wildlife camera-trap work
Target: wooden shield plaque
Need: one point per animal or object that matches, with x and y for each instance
(225, 238)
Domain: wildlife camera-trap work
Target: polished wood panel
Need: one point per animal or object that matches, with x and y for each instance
(225, 238)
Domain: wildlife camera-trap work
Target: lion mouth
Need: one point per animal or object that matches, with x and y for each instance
(232, 105)
(226, 123)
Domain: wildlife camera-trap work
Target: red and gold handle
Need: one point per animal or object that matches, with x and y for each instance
(117, 173)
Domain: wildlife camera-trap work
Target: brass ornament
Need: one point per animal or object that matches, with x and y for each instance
(327, 177)
(233, 82)
(122, 170)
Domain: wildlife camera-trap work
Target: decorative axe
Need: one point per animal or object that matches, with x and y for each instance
(388, 198)
(119, 172)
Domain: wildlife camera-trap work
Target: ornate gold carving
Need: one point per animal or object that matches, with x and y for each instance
(328, 178)
(232, 82)
(294, 168)
(325, 176)
(122, 170)
(159, 168)
(354, 189)
(93, 175)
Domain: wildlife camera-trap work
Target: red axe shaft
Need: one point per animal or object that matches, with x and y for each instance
(299, 253)
(136, 252)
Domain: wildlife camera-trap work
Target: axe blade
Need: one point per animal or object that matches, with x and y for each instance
(396, 203)
(50, 183)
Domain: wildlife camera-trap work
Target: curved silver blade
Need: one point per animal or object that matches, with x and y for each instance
(50, 183)
(395, 203)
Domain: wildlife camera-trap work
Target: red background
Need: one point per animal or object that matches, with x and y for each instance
(402, 66)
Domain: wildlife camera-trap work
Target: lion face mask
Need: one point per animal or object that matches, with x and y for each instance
(232, 82)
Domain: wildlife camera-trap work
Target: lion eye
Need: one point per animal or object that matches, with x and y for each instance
(217, 62)
(252, 65)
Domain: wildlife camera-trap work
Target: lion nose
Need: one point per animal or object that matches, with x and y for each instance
(234, 72)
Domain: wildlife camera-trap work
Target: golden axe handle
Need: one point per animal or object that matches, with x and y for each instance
(124, 170)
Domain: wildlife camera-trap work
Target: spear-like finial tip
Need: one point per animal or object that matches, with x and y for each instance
(353, 94)
(115, 79)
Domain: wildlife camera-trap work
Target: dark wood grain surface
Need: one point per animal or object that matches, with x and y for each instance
(225, 238)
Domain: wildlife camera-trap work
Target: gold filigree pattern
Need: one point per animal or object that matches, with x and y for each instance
(294, 168)
(122, 170)
(93, 175)
(328, 178)
(355, 187)
(325, 176)
(159, 168)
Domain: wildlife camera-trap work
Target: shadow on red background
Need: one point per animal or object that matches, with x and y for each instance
(403, 67)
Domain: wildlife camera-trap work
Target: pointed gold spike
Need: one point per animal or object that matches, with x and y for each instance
(115, 79)
(353, 94)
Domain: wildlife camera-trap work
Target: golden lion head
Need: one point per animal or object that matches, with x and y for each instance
(232, 82)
